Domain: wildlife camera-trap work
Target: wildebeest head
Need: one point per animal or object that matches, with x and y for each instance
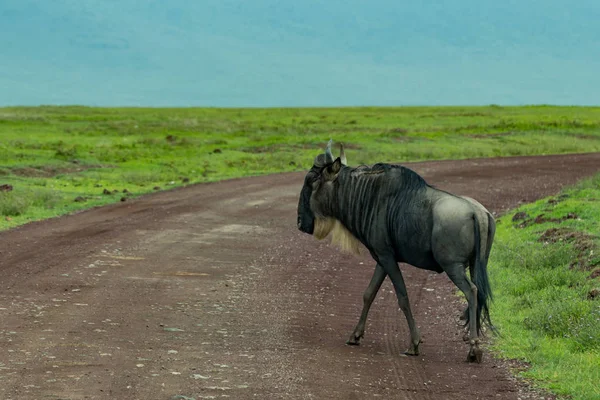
(317, 187)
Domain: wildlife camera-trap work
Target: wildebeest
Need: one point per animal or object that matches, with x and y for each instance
(399, 217)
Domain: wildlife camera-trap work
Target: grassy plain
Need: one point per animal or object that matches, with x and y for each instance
(54, 155)
(545, 271)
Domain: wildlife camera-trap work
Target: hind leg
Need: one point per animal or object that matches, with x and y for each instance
(368, 297)
(465, 314)
(465, 317)
(457, 274)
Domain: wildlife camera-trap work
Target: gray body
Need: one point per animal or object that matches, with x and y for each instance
(398, 217)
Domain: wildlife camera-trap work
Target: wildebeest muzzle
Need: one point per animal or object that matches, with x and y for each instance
(306, 219)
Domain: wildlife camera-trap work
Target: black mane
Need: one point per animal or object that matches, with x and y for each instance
(406, 177)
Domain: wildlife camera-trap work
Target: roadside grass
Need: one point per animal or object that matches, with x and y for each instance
(545, 271)
(64, 153)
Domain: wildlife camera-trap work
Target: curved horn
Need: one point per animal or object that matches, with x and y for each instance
(328, 155)
(343, 155)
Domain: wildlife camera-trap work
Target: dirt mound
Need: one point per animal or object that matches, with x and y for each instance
(582, 242)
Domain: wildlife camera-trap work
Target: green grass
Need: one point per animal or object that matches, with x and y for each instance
(61, 153)
(547, 304)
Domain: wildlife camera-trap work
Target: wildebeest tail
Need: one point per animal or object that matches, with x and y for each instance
(480, 278)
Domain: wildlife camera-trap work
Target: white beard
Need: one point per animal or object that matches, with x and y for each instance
(340, 235)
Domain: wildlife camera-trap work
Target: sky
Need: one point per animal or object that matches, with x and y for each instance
(283, 53)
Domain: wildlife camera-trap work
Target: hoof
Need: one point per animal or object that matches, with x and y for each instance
(413, 350)
(475, 355)
(354, 340)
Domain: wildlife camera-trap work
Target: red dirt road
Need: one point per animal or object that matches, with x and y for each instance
(210, 292)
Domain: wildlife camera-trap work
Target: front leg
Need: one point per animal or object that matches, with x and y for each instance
(368, 297)
(393, 270)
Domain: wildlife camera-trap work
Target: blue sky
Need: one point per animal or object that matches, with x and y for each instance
(241, 53)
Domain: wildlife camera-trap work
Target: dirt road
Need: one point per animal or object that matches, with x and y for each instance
(211, 292)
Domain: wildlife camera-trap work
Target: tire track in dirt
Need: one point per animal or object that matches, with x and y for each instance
(210, 291)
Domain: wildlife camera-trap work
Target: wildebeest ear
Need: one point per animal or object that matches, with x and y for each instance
(335, 167)
(318, 161)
